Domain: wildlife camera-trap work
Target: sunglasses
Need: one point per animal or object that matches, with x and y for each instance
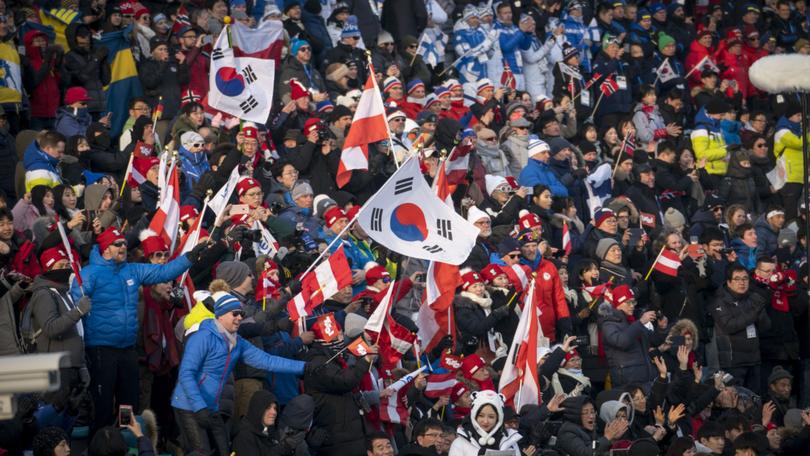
(238, 313)
(513, 255)
(161, 254)
(305, 49)
(119, 244)
(197, 145)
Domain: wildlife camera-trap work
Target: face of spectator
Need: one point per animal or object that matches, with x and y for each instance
(152, 174)
(765, 270)
(610, 226)
(544, 199)
(188, 39)
(304, 54)
(589, 275)
(476, 289)
(623, 219)
(639, 401)
(304, 201)
(777, 221)
(781, 388)
(145, 20)
(288, 176)
(645, 23)
(294, 13)
(738, 217)
(249, 147)
(339, 224)
(738, 283)
(55, 151)
(396, 92)
(614, 254)
(252, 197)
(628, 306)
(588, 417)
(139, 109)
(511, 258)
(40, 42)
(270, 414)
(715, 444)
(705, 40)
(783, 11)
(202, 19)
(429, 438)
(116, 19)
(749, 238)
(484, 226)
(48, 200)
(687, 160)
(611, 136)
(647, 179)
(500, 281)
(69, 198)
(751, 17)
(220, 9)
(197, 117)
(231, 320)
(397, 125)
(552, 128)
(487, 417)
(116, 251)
(505, 14)
(62, 449)
(675, 242)
(159, 257)
(6, 229)
(529, 251)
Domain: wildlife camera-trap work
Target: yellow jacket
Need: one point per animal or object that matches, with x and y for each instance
(711, 146)
(788, 143)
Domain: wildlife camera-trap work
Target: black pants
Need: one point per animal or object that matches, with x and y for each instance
(747, 377)
(113, 381)
(790, 194)
(210, 437)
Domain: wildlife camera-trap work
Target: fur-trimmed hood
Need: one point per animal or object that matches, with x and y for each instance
(685, 324)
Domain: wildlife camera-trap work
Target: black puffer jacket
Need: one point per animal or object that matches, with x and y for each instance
(335, 408)
(575, 440)
(88, 68)
(163, 79)
(738, 320)
(254, 438)
(471, 319)
(738, 186)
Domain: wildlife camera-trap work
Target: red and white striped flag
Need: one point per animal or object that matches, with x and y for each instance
(519, 382)
(508, 77)
(458, 163)
(263, 42)
(321, 284)
(519, 275)
(393, 408)
(566, 239)
(597, 291)
(594, 78)
(609, 86)
(440, 384)
(166, 220)
(368, 126)
(668, 263)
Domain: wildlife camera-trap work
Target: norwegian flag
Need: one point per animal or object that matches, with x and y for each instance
(566, 239)
(456, 165)
(668, 263)
(519, 382)
(181, 20)
(596, 77)
(440, 384)
(668, 194)
(629, 144)
(167, 217)
(519, 275)
(368, 126)
(609, 86)
(189, 96)
(393, 408)
(321, 284)
(507, 77)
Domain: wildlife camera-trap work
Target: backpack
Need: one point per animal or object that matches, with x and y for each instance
(28, 332)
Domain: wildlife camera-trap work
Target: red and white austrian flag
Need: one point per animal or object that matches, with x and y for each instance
(440, 384)
(321, 284)
(668, 263)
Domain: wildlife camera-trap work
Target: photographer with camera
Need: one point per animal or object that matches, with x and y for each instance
(317, 160)
(300, 212)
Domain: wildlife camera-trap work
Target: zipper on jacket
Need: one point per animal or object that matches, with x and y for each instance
(222, 380)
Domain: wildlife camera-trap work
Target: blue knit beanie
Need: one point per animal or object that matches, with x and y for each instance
(224, 303)
(297, 43)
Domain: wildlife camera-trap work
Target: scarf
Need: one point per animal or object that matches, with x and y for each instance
(160, 345)
(782, 286)
(229, 337)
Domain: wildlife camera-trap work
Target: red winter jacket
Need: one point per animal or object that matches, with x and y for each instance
(197, 61)
(41, 83)
(696, 53)
(551, 299)
(737, 69)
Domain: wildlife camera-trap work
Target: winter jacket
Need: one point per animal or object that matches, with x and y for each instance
(41, 76)
(737, 70)
(113, 287)
(766, 236)
(404, 18)
(536, 68)
(738, 320)
(197, 62)
(254, 438)
(473, 321)
(511, 41)
(780, 342)
(208, 361)
(40, 168)
(89, 68)
(9, 342)
(72, 122)
(696, 54)
(626, 345)
(296, 215)
(8, 156)
(163, 79)
(536, 173)
(474, 44)
(649, 124)
(738, 187)
(746, 256)
(194, 165)
(707, 142)
(574, 440)
(467, 441)
(621, 101)
(673, 186)
(336, 411)
(307, 75)
(368, 19)
(551, 300)
(516, 148)
(55, 313)
(493, 159)
(319, 169)
(577, 35)
(788, 142)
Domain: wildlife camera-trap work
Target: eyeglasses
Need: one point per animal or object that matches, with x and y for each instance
(119, 244)
(413, 46)
(761, 145)
(252, 194)
(740, 279)
(142, 109)
(189, 37)
(238, 313)
(290, 173)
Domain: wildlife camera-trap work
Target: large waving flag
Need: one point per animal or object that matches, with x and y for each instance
(124, 83)
(519, 382)
(432, 46)
(406, 217)
(59, 19)
(262, 42)
(240, 86)
(320, 284)
(11, 85)
(368, 126)
(167, 217)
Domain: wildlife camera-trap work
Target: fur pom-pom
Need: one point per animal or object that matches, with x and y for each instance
(781, 73)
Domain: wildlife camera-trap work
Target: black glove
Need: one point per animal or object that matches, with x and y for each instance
(294, 439)
(446, 342)
(580, 173)
(195, 253)
(295, 286)
(84, 305)
(501, 312)
(312, 366)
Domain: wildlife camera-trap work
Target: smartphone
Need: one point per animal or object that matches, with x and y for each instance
(124, 415)
(677, 341)
(239, 209)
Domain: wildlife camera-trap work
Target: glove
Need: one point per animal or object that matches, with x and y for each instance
(311, 367)
(446, 342)
(294, 439)
(84, 305)
(84, 377)
(101, 52)
(195, 253)
(501, 312)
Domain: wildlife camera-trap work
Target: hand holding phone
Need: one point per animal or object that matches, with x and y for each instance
(124, 415)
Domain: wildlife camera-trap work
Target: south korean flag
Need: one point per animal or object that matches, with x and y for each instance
(240, 86)
(407, 217)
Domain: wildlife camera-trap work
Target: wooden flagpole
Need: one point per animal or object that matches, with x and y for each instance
(654, 262)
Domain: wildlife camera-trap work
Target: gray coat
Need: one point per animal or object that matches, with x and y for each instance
(9, 343)
(59, 324)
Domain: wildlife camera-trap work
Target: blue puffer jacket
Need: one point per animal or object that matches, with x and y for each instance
(113, 287)
(71, 123)
(207, 363)
(194, 165)
(40, 168)
(746, 256)
(537, 172)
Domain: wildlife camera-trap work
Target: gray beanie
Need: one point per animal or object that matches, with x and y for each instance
(603, 246)
(793, 419)
(353, 325)
(674, 219)
(786, 238)
(300, 189)
(321, 203)
(233, 272)
(778, 373)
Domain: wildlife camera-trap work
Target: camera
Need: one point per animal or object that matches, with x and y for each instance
(28, 374)
(324, 133)
(583, 341)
